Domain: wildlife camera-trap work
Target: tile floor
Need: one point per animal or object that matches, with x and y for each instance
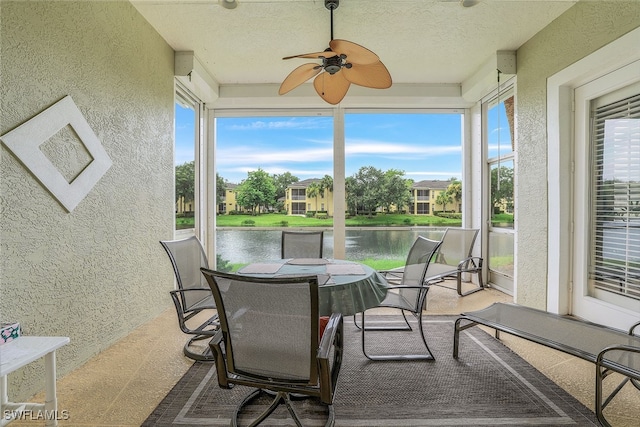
(123, 384)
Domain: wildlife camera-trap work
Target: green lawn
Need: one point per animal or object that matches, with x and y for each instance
(380, 220)
(280, 220)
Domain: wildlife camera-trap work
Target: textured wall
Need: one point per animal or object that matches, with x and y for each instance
(98, 272)
(581, 30)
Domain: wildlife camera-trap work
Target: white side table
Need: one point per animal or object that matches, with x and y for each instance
(21, 352)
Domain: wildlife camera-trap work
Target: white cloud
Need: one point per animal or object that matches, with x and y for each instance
(294, 123)
(373, 147)
(247, 155)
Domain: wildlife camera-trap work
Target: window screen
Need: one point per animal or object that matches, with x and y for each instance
(615, 239)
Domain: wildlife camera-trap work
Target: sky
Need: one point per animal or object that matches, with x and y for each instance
(424, 146)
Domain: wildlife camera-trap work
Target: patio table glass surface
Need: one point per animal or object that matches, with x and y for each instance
(344, 286)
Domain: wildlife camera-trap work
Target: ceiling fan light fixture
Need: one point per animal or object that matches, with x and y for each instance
(334, 76)
(228, 4)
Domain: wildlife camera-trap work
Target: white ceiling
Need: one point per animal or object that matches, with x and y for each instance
(420, 41)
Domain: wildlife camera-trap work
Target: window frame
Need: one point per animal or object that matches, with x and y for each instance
(337, 113)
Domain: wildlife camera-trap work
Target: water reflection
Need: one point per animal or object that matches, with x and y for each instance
(246, 246)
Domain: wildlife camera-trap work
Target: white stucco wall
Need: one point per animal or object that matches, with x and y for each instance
(584, 28)
(96, 273)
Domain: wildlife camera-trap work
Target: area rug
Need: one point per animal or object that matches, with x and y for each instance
(489, 385)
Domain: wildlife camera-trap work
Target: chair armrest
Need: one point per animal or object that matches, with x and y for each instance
(617, 366)
(633, 327)
(424, 286)
(333, 338)
(332, 331)
(205, 291)
(393, 274)
(476, 263)
(219, 358)
(192, 289)
(177, 296)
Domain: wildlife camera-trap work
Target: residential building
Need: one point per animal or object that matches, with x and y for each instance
(299, 200)
(424, 196)
(228, 201)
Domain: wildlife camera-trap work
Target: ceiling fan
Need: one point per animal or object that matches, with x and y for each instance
(343, 63)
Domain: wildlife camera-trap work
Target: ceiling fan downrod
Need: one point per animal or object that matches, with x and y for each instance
(331, 5)
(335, 63)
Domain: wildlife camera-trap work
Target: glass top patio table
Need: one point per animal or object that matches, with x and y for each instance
(344, 286)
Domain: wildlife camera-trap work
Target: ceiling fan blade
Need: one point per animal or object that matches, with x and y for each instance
(299, 76)
(323, 54)
(331, 87)
(356, 54)
(373, 75)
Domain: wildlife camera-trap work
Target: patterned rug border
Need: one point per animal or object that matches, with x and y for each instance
(557, 406)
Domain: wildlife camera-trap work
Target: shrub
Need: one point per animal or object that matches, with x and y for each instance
(222, 264)
(284, 223)
(322, 216)
(310, 214)
(451, 215)
(248, 223)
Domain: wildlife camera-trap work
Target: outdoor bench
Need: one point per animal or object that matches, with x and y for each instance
(611, 350)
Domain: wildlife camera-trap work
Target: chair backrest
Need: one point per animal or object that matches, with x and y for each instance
(270, 325)
(457, 245)
(418, 259)
(302, 244)
(187, 257)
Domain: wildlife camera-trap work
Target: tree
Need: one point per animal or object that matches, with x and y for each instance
(313, 190)
(368, 188)
(455, 191)
(443, 199)
(281, 183)
(502, 193)
(221, 188)
(352, 189)
(326, 185)
(395, 190)
(185, 181)
(256, 191)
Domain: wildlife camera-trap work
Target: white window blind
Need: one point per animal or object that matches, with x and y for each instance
(615, 238)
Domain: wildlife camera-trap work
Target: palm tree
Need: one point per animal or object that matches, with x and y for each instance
(455, 191)
(326, 184)
(443, 199)
(312, 191)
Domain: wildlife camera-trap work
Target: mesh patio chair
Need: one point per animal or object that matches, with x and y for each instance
(408, 293)
(193, 295)
(302, 244)
(269, 339)
(454, 259)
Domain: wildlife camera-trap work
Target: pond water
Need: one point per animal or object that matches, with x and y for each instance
(246, 246)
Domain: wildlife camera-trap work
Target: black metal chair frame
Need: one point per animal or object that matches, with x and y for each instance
(185, 310)
(416, 309)
(326, 355)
